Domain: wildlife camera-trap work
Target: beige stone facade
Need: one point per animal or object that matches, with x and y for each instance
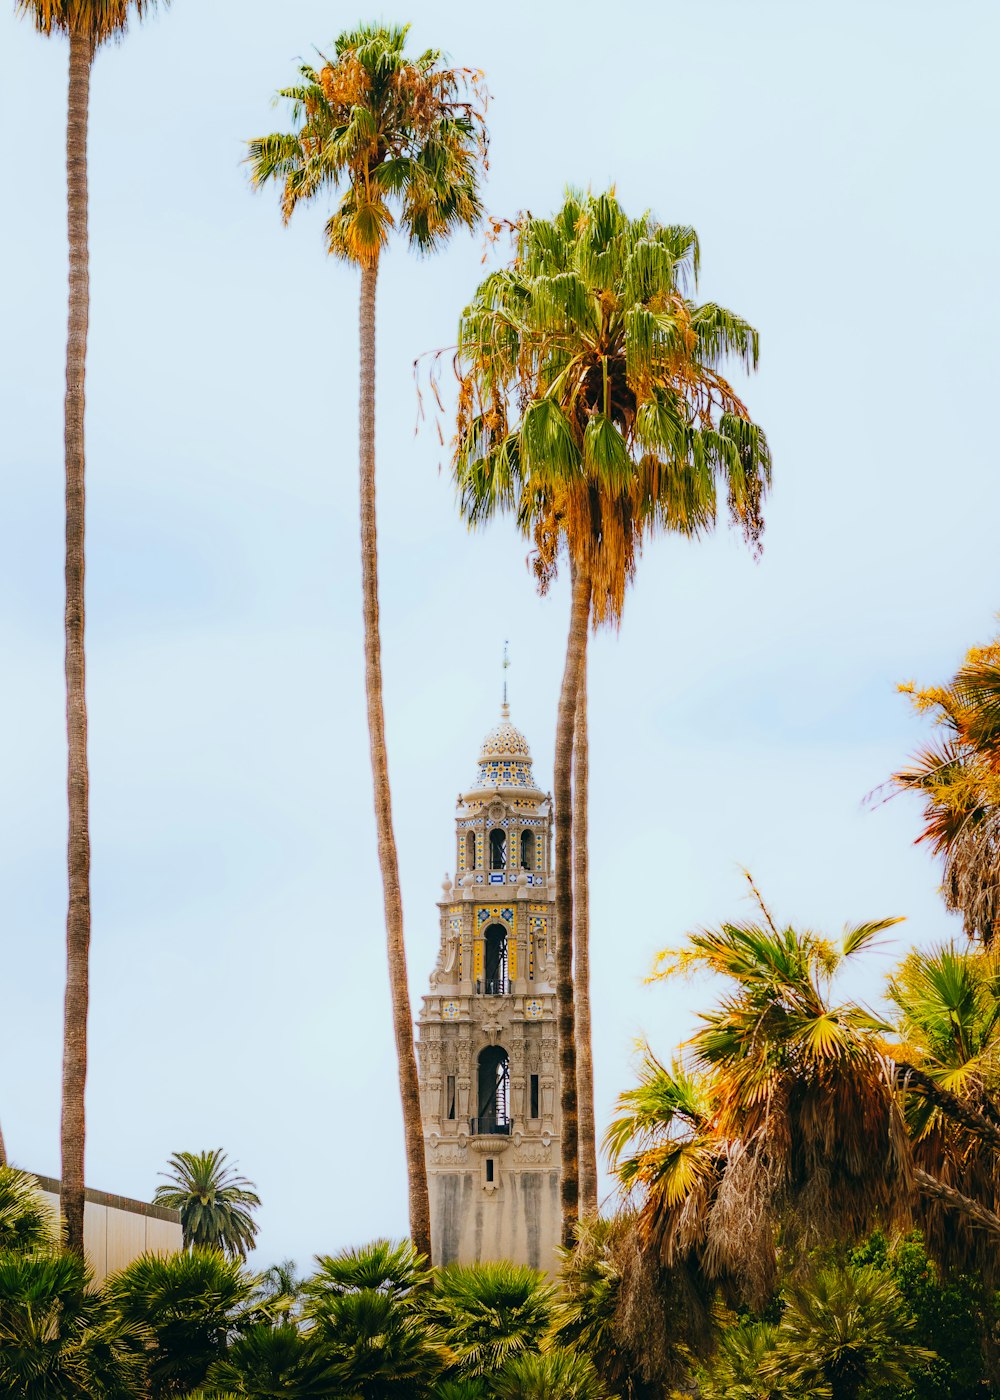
(117, 1230)
(487, 1031)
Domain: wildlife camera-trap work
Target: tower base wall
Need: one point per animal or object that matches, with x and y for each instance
(515, 1217)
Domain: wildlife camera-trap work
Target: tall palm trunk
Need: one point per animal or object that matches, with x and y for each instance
(3, 1150)
(566, 1009)
(74, 1076)
(581, 950)
(402, 1017)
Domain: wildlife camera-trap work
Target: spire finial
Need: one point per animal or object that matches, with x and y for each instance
(505, 709)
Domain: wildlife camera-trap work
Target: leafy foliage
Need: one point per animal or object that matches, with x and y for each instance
(403, 137)
(216, 1204)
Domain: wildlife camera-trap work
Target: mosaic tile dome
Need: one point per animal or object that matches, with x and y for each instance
(504, 741)
(504, 759)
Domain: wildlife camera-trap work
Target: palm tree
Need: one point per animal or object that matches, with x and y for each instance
(88, 24)
(489, 1313)
(792, 1111)
(270, 1362)
(591, 406)
(403, 137)
(58, 1338)
(26, 1223)
(550, 1375)
(216, 1204)
(185, 1310)
(946, 1040)
(607, 1312)
(363, 1307)
(959, 781)
(843, 1331)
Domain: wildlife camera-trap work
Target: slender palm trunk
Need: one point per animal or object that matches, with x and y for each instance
(566, 1008)
(3, 1150)
(402, 1017)
(74, 1076)
(581, 949)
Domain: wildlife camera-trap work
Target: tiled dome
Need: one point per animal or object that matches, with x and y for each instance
(504, 759)
(504, 741)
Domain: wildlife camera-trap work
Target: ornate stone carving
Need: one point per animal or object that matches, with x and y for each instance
(450, 1154)
(534, 1154)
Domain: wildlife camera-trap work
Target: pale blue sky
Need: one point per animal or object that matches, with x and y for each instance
(838, 162)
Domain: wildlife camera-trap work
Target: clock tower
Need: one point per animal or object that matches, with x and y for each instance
(489, 1085)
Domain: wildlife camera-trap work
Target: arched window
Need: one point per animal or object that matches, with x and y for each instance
(470, 850)
(498, 848)
(495, 961)
(492, 1112)
(527, 850)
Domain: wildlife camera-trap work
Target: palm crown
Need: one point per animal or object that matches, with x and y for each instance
(394, 132)
(99, 19)
(591, 400)
(216, 1204)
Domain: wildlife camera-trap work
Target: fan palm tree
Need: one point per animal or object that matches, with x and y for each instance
(185, 1309)
(843, 1331)
(605, 1312)
(549, 1375)
(58, 1338)
(268, 1363)
(958, 779)
(216, 1204)
(26, 1223)
(591, 405)
(946, 1026)
(793, 1110)
(363, 1306)
(403, 138)
(489, 1313)
(88, 24)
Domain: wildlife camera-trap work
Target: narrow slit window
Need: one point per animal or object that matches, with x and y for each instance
(534, 1096)
(489, 1168)
(470, 851)
(450, 1097)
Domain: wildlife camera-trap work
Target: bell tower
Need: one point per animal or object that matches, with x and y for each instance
(487, 1032)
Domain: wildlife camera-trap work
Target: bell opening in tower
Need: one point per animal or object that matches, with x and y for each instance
(495, 981)
(494, 1092)
(498, 849)
(527, 850)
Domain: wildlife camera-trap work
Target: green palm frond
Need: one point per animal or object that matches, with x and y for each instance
(216, 1204)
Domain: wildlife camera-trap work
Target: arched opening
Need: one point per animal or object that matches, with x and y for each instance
(495, 982)
(470, 850)
(492, 1115)
(527, 850)
(498, 848)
